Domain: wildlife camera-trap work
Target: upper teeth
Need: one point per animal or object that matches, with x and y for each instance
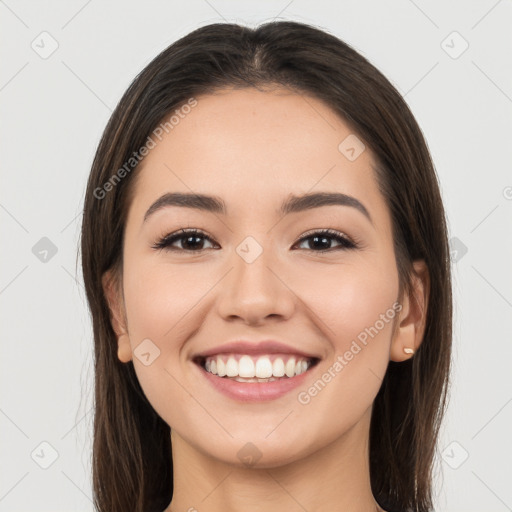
(261, 367)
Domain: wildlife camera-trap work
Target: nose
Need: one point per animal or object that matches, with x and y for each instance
(256, 291)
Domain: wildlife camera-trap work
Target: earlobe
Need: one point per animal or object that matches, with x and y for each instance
(411, 323)
(124, 349)
(115, 303)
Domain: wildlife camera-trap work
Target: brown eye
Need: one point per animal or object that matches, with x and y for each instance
(192, 240)
(321, 241)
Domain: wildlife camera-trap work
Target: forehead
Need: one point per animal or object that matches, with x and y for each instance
(249, 146)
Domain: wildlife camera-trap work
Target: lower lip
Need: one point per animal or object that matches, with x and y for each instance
(255, 391)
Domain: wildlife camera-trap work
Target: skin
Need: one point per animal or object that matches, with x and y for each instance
(241, 145)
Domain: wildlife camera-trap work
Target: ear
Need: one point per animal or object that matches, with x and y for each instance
(412, 320)
(114, 298)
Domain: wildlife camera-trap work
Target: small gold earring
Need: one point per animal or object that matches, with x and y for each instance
(408, 350)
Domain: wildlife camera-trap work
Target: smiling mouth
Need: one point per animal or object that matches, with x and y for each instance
(264, 368)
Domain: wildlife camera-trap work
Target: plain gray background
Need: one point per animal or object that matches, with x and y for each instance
(54, 108)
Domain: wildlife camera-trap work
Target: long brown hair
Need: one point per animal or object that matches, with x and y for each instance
(132, 462)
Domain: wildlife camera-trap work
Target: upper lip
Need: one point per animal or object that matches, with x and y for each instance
(255, 348)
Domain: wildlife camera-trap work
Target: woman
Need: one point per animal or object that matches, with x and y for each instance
(265, 255)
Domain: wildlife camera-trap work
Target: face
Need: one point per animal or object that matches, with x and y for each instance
(256, 272)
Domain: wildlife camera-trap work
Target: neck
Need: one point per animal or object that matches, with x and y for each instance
(335, 477)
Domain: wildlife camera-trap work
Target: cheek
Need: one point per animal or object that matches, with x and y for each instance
(158, 297)
(357, 312)
(350, 299)
(163, 306)
(160, 302)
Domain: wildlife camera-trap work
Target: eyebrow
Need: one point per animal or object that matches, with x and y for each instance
(293, 204)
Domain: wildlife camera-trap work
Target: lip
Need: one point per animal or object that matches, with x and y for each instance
(255, 391)
(255, 348)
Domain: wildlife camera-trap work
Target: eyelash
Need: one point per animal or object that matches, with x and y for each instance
(346, 243)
